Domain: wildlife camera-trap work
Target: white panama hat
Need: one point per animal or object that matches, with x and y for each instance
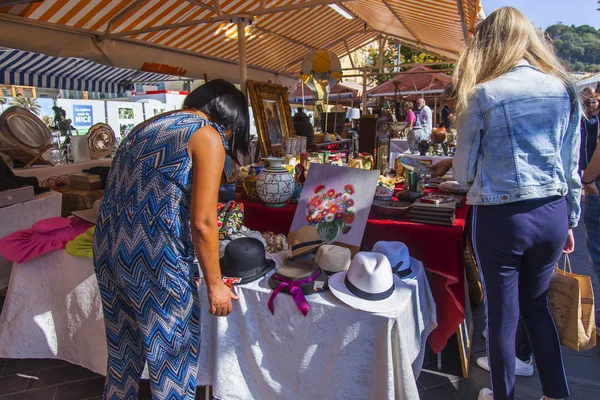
(370, 285)
(397, 253)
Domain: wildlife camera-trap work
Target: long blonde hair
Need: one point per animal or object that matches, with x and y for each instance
(500, 41)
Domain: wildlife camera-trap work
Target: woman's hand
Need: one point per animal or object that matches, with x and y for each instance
(591, 188)
(219, 299)
(442, 167)
(570, 243)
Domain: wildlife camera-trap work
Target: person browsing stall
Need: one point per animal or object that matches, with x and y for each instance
(424, 116)
(157, 214)
(517, 151)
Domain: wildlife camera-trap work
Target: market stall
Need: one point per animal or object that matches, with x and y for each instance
(446, 263)
(241, 354)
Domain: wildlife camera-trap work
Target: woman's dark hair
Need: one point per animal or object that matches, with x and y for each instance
(227, 106)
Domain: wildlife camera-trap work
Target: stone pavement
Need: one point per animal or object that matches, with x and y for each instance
(58, 380)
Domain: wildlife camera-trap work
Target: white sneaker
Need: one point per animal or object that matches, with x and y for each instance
(485, 394)
(521, 368)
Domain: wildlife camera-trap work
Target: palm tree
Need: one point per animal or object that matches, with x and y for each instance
(28, 103)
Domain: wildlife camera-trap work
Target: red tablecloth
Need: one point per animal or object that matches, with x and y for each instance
(440, 248)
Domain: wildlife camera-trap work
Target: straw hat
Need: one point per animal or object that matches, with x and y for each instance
(304, 241)
(399, 257)
(89, 215)
(370, 285)
(332, 259)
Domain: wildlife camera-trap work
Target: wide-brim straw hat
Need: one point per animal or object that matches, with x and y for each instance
(304, 241)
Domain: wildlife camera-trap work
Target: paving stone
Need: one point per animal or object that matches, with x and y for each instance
(84, 389)
(13, 383)
(46, 393)
(59, 375)
(14, 366)
(445, 392)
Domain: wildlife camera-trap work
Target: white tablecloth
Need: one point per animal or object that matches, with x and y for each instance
(53, 310)
(45, 172)
(23, 216)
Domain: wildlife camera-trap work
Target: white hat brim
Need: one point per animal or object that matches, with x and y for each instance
(86, 215)
(401, 295)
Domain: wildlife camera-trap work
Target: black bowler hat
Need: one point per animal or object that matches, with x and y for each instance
(244, 258)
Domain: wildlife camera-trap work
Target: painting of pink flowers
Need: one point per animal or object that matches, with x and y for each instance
(336, 200)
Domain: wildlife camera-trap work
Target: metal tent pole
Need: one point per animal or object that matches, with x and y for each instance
(241, 29)
(364, 93)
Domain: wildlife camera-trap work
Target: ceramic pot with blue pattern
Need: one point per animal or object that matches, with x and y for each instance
(275, 185)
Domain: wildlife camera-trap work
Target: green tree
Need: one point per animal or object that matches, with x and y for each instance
(407, 56)
(576, 45)
(28, 103)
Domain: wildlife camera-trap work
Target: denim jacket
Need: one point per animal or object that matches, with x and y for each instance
(519, 140)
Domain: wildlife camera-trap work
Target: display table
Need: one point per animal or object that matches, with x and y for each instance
(45, 172)
(75, 200)
(440, 248)
(53, 310)
(335, 352)
(22, 216)
(343, 144)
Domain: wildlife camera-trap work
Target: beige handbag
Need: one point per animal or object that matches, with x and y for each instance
(571, 301)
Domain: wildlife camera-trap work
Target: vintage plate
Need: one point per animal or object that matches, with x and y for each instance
(25, 128)
(101, 139)
(453, 187)
(418, 166)
(390, 209)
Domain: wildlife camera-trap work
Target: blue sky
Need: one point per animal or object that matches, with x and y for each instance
(544, 13)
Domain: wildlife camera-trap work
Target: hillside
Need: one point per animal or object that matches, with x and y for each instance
(577, 46)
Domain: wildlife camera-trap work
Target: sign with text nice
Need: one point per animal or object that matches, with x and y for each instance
(83, 116)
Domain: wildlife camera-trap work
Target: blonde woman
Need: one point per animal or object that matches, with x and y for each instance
(518, 152)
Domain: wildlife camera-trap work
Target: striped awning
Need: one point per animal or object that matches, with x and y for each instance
(281, 33)
(31, 69)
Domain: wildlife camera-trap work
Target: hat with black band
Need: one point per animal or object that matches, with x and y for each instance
(370, 285)
(304, 241)
(245, 261)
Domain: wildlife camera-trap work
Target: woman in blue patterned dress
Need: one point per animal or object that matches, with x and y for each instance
(158, 212)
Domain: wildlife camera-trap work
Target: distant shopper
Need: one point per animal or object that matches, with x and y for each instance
(523, 184)
(590, 164)
(425, 116)
(411, 118)
(589, 128)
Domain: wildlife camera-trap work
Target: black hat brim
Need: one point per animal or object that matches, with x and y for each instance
(269, 265)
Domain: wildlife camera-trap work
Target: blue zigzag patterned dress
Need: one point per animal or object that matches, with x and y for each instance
(144, 261)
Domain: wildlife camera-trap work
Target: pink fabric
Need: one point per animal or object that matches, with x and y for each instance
(411, 117)
(45, 236)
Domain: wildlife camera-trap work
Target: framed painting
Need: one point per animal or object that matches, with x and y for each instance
(336, 200)
(272, 115)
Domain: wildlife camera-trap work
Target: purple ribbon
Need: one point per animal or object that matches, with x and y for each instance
(295, 291)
